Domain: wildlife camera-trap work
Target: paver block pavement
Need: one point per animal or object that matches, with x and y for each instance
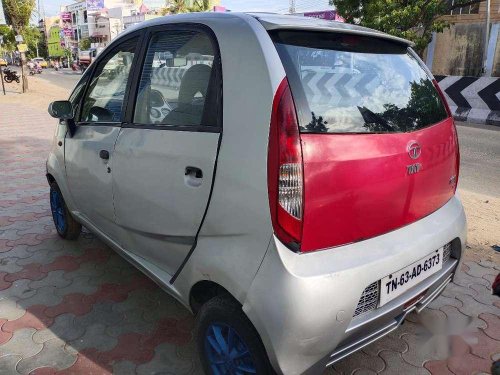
(76, 307)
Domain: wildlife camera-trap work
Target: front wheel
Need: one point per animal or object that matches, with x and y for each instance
(67, 227)
(7, 79)
(227, 342)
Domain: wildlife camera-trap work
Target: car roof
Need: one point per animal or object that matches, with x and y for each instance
(272, 21)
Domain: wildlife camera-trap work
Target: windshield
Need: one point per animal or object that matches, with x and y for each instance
(355, 84)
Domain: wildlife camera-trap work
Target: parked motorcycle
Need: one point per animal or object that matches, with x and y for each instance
(10, 75)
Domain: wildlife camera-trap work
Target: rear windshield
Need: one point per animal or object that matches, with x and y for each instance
(355, 84)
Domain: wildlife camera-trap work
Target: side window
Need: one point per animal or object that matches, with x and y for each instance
(104, 99)
(176, 81)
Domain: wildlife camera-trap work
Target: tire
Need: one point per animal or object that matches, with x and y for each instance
(219, 318)
(67, 227)
(6, 79)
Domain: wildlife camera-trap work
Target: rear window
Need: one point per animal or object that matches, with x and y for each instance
(355, 84)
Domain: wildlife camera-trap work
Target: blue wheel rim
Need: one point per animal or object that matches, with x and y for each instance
(57, 207)
(227, 352)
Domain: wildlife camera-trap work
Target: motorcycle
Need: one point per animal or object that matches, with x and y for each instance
(10, 75)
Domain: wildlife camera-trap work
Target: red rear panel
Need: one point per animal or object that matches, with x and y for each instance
(359, 186)
(379, 146)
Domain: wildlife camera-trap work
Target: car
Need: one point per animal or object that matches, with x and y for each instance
(41, 61)
(3, 62)
(297, 194)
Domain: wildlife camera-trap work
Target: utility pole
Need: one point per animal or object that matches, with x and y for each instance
(291, 10)
(1, 71)
(486, 35)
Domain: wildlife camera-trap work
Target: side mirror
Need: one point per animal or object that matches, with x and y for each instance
(61, 109)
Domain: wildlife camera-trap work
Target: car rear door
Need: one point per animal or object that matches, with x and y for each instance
(89, 151)
(165, 155)
(379, 145)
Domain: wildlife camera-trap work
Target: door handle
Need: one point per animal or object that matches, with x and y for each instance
(104, 154)
(193, 172)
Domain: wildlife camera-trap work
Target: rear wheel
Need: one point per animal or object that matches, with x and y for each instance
(67, 227)
(7, 79)
(227, 341)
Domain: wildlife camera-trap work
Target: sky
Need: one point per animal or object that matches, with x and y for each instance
(51, 7)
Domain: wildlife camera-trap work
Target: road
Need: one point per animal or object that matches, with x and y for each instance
(480, 158)
(65, 77)
(479, 145)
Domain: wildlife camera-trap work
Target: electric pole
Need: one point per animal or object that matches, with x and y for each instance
(291, 10)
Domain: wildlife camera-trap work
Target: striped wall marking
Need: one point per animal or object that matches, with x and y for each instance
(454, 91)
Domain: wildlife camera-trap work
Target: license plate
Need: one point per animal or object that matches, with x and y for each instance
(400, 281)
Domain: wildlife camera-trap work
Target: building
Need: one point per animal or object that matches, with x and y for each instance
(100, 22)
(56, 50)
(461, 49)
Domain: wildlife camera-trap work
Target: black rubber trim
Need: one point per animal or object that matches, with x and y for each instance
(193, 246)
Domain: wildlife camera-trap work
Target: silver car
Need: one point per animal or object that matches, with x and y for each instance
(291, 181)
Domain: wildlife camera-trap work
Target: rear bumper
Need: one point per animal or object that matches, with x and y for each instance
(303, 304)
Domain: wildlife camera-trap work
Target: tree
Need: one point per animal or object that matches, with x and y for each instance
(18, 13)
(85, 44)
(414, 20)
(180, 6)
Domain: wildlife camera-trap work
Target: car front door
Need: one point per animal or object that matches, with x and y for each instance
(165, 157)
(89, 151)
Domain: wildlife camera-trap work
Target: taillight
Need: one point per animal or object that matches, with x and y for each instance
(455, 135)
(285, 175)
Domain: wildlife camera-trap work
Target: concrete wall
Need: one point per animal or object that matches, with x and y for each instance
(459, 50)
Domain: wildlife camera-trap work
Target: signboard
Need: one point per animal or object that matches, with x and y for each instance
(66, 24)
(22, 47)
(2, 15)
(76, 6)
(94, 5)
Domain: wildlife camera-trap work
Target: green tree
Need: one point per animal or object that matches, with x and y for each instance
(180, 6)
(414, 20)
(84, 44)
(9, 42)
(18, 13)
(32, 37)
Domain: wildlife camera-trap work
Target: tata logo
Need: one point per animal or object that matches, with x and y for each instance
(413, 149)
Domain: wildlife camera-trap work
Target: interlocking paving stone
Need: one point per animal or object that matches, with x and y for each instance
(8, 364)
(53, 278)
(80, 284)
(53, 355)
(10, 265)
(43, 296)
(9, 309)
(396, 365)
(94, 337)
(19, 289)
(21, 344)
(165, 360)
(493, 325)
(64, 327)
(392, 341)
(125, 368)
(132, 322)
(360, 360)
(473, 308)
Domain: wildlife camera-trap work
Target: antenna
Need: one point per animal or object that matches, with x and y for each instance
(291, 10)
